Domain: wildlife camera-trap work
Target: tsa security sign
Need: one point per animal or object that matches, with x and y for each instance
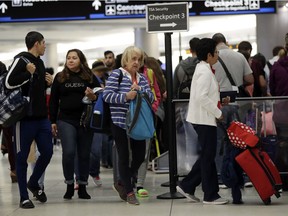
(167, 17)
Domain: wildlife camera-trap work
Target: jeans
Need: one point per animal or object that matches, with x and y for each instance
(75, 139)
(142, 171)
(95, 154)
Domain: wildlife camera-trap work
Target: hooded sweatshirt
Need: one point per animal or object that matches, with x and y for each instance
(183, 72)
(279, 78)
(19, 76)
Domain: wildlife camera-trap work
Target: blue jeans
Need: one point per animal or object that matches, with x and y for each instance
(95, 154)
(75, 139)
(107, 144)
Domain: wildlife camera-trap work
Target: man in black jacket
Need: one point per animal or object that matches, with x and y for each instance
(28, 71)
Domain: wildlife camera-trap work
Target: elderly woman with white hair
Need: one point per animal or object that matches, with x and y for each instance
(119, 91)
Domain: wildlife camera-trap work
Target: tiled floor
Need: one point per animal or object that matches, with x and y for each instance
(106, 202)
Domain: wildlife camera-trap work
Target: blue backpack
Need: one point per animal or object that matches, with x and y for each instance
(97, 115)
(140, 118)
(101, 117)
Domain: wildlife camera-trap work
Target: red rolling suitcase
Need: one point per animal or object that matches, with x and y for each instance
(262, 172)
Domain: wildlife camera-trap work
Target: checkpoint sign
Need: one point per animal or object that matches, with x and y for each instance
(167, 17)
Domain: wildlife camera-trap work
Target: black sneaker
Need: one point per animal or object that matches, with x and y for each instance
(26, 204)
(121, 191)
(38, 193)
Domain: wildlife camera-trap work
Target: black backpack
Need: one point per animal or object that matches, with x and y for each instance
(183, 91)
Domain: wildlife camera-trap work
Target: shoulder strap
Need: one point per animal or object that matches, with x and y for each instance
(269, 65)
(226, 71)
(25, 59)
(138, 99)
(150, 77)
(137, 110)
(120, 77)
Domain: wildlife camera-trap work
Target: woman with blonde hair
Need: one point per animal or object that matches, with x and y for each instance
(118, 93)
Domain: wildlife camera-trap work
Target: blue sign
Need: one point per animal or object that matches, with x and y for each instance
(56, 10)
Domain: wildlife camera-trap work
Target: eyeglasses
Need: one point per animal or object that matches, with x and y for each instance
(216, 52)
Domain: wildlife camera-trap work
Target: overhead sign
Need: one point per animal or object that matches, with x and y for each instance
(58, 10)
(167, 17)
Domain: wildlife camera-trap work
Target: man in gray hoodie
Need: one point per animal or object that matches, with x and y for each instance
(184, 72)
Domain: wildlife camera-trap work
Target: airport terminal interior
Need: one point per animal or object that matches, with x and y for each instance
(93, 37)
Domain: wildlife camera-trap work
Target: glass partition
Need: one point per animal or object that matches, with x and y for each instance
(268, 116)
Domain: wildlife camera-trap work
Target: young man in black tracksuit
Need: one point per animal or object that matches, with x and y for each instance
(28, 71)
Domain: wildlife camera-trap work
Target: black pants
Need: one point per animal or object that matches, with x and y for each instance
(137, 147)
(204, 170)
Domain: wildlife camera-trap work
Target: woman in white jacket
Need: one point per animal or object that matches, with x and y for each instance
(203, 110)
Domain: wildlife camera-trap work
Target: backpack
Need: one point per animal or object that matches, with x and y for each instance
(183, 91)
(101, 116)
(13, 106)
(151, 80)
(97, 115)
(140, 118)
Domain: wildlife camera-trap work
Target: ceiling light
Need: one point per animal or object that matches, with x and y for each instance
(286, 5)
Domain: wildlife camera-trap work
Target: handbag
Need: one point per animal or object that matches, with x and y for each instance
(140, 118)
(14, 106)
(86, 115)
(242, 92)
(241, 135)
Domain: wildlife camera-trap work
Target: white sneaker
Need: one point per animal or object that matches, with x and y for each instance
(97, 181)
(248, 184)
(223, 186)
(219, 201)
(191, 197)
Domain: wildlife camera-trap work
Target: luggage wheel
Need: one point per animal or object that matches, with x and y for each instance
(267, 201)
(277, 194)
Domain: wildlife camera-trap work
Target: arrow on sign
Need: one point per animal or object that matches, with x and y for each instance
(168, 24)
(96, 4)
(3, 7)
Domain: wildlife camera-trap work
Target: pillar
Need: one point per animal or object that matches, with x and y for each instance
(271, 30)
(148, 42)
(51, 57)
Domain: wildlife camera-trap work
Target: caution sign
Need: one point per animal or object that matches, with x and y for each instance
(167, 17)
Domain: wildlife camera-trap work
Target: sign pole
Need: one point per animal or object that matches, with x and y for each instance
(171, 124)
(168, 18)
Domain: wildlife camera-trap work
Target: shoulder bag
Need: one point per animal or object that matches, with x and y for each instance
(241, 89)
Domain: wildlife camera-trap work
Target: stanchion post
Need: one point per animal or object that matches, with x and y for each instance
(170, 115)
